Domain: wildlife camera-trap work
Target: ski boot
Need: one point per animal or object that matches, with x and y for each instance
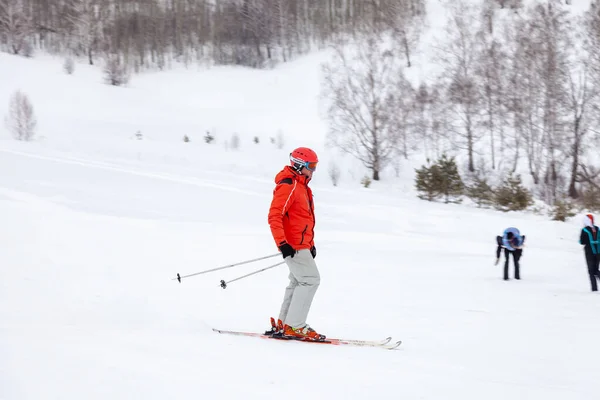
(303, 333)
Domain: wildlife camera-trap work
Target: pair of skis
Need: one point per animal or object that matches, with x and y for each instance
(386, 343)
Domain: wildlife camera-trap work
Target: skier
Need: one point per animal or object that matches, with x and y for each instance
(589, 239)
(512, 241)
(292, 221)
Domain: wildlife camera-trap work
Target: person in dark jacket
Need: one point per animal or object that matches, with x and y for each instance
(512, 242)
(589, 239)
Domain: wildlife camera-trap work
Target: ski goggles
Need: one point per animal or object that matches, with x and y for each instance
(311, 166)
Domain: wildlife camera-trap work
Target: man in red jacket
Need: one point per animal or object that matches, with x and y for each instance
(292, 222)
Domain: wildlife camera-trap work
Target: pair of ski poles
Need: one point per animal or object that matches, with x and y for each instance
(223, 283)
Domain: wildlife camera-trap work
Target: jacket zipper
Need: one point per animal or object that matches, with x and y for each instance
(303, 232)
(314, 219)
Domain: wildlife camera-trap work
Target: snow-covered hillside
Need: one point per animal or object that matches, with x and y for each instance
(95, 224)
(89, 308)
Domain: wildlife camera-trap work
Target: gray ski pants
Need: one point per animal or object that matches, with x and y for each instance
(304, 281)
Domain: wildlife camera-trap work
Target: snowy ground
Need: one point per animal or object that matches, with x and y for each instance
(88, 307)
(94, 226)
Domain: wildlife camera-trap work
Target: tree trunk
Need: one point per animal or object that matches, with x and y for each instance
(470, 143)
(491, 121)
(406, 50)
(574, 167)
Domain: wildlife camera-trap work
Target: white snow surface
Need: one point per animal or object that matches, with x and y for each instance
(94, 226)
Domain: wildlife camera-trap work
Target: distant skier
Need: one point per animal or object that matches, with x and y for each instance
(512, 242)
(589, 239)
(292, 222)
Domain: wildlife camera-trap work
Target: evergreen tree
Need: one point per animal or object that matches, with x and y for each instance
(512, 195)
(439, 179)
(425, 183)
(480, 192)
(562, 210)
(447, 179)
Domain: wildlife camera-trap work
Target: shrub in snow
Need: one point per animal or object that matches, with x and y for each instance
(69, 65)
(256, 139)
(334, 173)
(279, 140)
(21, 120)
(186, 139)
(562, 210)
(235, 141)
(208, 138)
(511, 195)
(27, 50)
(366, 181)
(590, 197)
(115, 71)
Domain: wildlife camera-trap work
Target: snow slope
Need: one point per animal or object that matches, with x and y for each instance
(94, 226)
(89, 308)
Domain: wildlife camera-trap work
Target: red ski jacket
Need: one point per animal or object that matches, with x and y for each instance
(291, 215)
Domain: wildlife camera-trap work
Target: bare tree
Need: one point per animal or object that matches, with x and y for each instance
(491, 75)
(429, 119)
(422, 105)
(405, 21)
(154, 33)
(524, 98)
(15, 25)
(512, 96)
(85, 22)
(21, 119)
(583, 98)
(457, 56)
(549, 33)
(359, 85)
(404, 114)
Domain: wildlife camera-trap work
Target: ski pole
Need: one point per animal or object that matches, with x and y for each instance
(224, 284)
(179, 277)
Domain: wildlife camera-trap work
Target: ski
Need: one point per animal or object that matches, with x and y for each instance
(384, 344)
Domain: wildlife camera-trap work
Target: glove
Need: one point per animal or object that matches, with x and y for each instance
(313, 251)
(287, 250)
